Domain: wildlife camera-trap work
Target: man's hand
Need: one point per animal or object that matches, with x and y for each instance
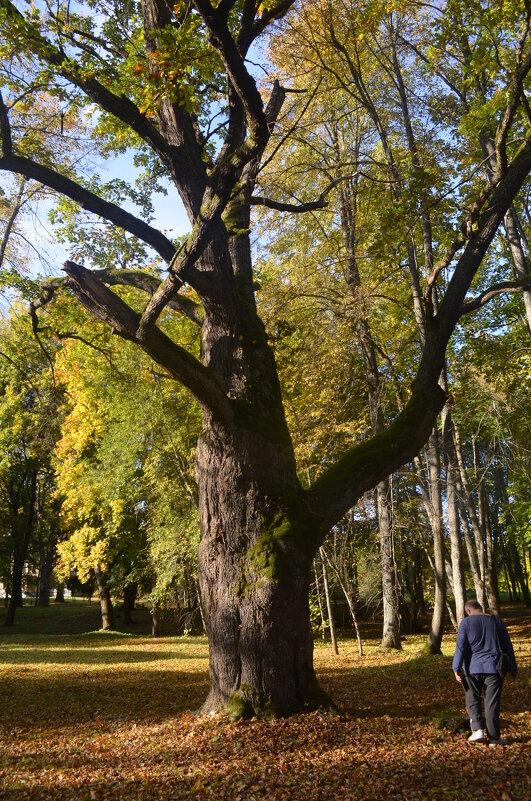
(458, 677)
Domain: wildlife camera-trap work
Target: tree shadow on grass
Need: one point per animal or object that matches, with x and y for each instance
(113, 696)
(89, 676)
(90, 657)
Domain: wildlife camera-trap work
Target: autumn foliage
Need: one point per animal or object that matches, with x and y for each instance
(110, 716)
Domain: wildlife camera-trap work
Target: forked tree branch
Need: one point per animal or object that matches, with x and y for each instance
(241, 79)
(119, 106)
(150, 284)
(228, 169)
(106, 306)
(134, 278)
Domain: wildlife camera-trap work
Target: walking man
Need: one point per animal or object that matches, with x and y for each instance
(480, 640)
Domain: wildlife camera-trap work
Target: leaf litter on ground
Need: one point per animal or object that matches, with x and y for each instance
(103, 717)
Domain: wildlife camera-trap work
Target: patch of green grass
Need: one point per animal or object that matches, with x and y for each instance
(75, 616)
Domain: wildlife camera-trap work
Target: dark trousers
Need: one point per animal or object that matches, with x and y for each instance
(493, 684)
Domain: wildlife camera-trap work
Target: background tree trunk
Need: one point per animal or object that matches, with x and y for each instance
(22, 530)
(439, 605)
(319, 600)
(46, 562)
(329, 609)
(156, 621)
(107, 610)
(390, 587)
(452, 474)
(130, 591)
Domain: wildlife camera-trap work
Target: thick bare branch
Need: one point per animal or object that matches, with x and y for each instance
(364, 466)
(180, 266)
(516, 91)
(150, 283)
(299, 208)
(134, 278)
(244, 84)
(90, 201)
(492, 292)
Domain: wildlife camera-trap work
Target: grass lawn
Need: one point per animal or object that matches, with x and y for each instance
(110, 716)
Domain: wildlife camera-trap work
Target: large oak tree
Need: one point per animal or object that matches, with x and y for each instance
(174, 82)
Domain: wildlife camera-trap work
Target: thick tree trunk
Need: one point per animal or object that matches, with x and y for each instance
(107, 611)
(60, 594)
(254, 574)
